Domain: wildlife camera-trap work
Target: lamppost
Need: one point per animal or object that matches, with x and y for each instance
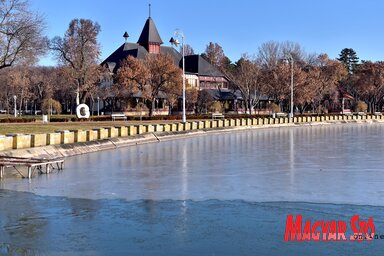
(98, 105)
(14, 97)
(176, 42)
(289, 58)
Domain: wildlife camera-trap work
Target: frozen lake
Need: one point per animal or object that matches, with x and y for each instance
(225, 194)
(322, 164)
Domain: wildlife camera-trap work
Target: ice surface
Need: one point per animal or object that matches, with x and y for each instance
(323, 164)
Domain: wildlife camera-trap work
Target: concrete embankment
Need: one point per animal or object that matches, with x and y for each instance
(76, 142)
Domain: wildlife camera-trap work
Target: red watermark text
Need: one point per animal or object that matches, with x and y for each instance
(329, 230)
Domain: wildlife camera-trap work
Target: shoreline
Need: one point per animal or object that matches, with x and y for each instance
(79, 148)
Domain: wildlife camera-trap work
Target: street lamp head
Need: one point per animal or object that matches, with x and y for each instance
(174, 41)
(14, 97)
(288, 57)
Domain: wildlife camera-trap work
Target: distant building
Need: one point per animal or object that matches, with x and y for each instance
(199, 73)
(149, 43)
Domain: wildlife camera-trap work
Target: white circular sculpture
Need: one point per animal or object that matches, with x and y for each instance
(82, 111)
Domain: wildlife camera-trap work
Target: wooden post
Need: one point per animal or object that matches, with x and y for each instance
(29, 172)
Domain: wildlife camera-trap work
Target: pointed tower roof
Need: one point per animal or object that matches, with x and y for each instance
(149, 34)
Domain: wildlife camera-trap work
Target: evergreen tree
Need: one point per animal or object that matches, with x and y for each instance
(349, 58)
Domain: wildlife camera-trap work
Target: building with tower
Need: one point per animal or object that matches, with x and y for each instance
(198, 72)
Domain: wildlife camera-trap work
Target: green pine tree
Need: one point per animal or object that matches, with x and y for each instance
(349, 57)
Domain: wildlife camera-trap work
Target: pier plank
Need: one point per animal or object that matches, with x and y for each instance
(30, 163)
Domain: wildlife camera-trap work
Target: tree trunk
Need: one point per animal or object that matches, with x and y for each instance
(83, 96)
(152, 107)
(373, 106)
(250, 106)
(8, 108)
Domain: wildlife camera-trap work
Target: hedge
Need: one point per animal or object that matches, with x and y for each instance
(59, 119)
(17, 120)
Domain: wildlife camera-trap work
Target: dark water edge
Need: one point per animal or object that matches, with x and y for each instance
(42, 225)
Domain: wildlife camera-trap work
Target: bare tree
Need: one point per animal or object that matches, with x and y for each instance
(276, 72)
(6, 91)
(331, 72)
(20, 84)
(270, 54)
(204, 101)
(191, 94)
(43, 81)
(188, 50)
(21, 33)
(246, 78)
(63, 88)
(293, 49)
(276, 82)
(132, 76)
(152, 75)
(79, 52)
(164, 76)
(370, 83)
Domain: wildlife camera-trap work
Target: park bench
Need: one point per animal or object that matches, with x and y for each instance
(118, 116)
(217, 115)
(280, 114)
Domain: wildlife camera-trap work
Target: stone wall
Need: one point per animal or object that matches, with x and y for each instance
(20, 141)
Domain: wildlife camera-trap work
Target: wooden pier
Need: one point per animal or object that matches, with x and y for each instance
(43, 165)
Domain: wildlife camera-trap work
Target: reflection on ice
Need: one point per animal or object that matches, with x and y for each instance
(330, 164)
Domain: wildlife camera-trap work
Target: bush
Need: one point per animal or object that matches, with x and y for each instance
(162, 118)
(17, 120)
(216, 107)
(100, 118)
(274, 107)
(59, 119)
(361, 106)
(48, 103)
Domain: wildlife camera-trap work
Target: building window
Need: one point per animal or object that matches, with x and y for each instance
(192, 83)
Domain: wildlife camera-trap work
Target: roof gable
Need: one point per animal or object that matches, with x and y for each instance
(137, 51)
(149, 34)
(198, 65)
(125, 50)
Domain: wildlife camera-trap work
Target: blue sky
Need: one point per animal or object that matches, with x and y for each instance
(319, 26)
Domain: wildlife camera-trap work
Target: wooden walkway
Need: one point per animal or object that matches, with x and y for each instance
(43, 165)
